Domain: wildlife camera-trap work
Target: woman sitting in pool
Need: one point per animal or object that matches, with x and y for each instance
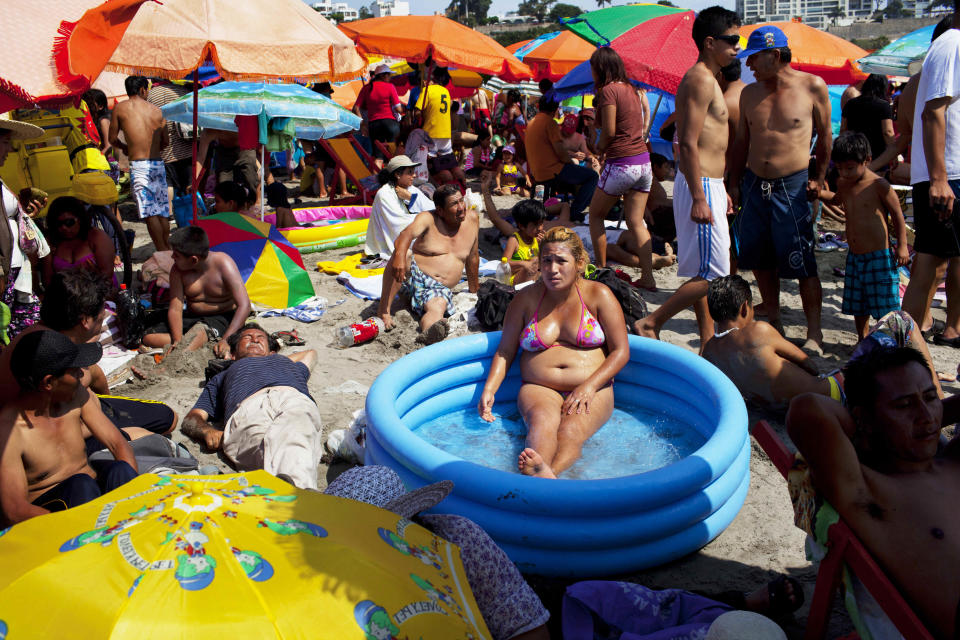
(574, 341)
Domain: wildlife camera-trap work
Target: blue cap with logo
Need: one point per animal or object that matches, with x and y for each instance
(763, 39)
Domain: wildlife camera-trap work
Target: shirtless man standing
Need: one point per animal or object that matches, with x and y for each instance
(145, 132)
(700, 202)
(444, 241)
(210, 285)
(779, 113)
(43, 465)
(876, 462)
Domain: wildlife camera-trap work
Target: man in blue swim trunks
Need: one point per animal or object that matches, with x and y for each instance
(444, 241)
(779, 115)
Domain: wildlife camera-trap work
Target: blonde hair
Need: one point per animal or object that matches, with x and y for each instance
(568, 238)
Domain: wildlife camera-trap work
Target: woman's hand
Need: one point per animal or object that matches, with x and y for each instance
(485, 406)
(402, 193)
(579, 400)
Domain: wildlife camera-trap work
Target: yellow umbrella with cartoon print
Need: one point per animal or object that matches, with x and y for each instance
(234, 556)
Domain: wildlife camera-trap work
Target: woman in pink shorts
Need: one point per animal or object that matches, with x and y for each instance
(626, 170)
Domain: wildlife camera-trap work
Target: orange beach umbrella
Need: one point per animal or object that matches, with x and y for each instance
(280, 40)
(553, 55)
(448, 43)
(818, 52)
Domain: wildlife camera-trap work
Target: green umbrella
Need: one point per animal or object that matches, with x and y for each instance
(603, 25)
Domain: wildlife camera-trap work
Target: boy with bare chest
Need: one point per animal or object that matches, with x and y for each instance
(871, 284)
(43, 464)
(205, 287)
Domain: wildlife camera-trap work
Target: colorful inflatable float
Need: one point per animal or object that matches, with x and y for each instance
(326, 228)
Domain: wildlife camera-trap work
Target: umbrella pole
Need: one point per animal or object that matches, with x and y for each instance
(653, 116)
(195, 179)
(263, 173)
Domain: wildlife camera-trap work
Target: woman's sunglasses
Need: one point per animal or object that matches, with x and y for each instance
(67, 222)
(733, 38)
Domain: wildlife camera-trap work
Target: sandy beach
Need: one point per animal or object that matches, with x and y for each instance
(761, 542)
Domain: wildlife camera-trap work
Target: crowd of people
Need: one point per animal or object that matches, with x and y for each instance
(754, 164)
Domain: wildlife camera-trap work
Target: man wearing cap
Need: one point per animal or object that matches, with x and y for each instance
(779, 115)
(381, 103)
(44, 465)
(395, 206)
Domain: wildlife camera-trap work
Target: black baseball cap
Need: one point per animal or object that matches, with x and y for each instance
(42, 353)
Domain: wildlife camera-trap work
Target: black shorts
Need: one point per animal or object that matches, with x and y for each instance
(240, 166)
(218, 323)
(933, 236)
(446, 162)
(178, 175)
(384, 130)
(155, 417)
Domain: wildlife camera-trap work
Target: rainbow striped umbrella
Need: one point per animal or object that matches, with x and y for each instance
(602, 26)
(272, 268)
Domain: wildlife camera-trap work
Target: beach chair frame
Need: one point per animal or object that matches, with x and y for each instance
(364, 195)
(843, 547)
(388, 149)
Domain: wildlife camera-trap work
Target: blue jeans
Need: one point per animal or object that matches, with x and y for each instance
(586, 182)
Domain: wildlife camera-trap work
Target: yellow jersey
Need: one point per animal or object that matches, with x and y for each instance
(435, 104)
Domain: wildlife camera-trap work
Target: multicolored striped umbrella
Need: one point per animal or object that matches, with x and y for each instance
(602, 26)
(271, 267)
(314, 116)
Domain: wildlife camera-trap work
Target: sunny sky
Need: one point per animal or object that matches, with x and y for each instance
(427, 7)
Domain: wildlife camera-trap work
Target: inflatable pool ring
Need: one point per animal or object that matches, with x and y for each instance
(335, 228)
(572, 527)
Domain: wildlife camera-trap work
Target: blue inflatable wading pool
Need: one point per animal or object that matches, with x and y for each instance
(572, 527)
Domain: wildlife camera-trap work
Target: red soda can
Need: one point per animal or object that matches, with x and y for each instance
(359, 332)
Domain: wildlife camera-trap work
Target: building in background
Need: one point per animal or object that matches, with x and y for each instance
(328, 8)
(824, 13)
(382, 8)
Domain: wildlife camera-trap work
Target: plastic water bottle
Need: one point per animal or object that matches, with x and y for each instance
(503, 271)
(538, 192)
(359, 332)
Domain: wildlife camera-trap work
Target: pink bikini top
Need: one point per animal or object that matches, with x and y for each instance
(589, 333)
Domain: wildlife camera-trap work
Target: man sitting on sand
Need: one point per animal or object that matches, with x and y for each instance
(73, 305)
(768, 369)
(270, 420)
(877, 463)
(43, 466)
(444, 241)
(212, 288)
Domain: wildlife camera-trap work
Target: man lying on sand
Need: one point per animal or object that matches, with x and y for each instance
(43, 466)
(444, 241)
(270, 420)
(212, 288)
(768, 369)
(877, 463)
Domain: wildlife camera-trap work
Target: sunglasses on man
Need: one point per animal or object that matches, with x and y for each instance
(733, 38)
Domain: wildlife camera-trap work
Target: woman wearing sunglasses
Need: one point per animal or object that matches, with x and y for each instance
(75, 243)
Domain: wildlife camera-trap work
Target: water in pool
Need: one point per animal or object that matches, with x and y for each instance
(634, 440)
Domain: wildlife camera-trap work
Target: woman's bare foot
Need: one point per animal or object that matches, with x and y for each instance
(530, 463)
(659, 262)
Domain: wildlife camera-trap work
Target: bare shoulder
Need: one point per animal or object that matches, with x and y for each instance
(222, 260)
(697, 80)
(597, 292)
(814, 83)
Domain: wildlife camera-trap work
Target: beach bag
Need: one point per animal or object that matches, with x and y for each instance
(493, 298)
(156, 454)
(131, 318)
(633, 305)
(183, 209)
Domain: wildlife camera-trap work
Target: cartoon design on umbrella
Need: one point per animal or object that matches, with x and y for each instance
(271, 267)
(285, 563)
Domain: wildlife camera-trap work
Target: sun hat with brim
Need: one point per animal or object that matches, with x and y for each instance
(738, 625)
(400, 162)
(43, 353)
(382, 487)
(764, 39)
(383, 68)
(20, 130)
